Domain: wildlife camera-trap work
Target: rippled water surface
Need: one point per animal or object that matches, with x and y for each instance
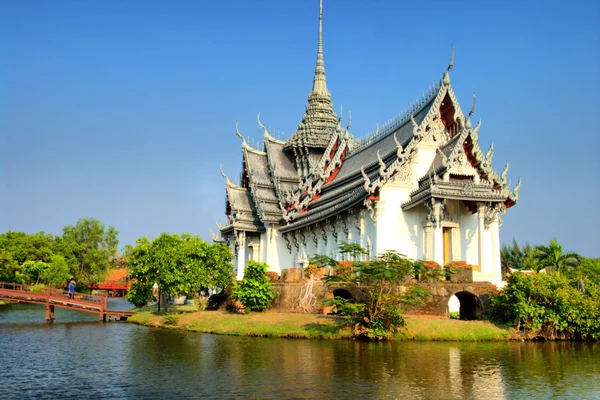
(79, 357)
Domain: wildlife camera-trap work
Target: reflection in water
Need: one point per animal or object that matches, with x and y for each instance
(88, 359)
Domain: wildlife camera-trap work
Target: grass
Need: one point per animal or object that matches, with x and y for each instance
(3, 302)
(311, 326)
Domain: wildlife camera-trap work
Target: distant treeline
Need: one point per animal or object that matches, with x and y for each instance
(83, 252)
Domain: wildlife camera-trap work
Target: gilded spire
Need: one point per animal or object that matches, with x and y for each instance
(319, 81)
(319, 121)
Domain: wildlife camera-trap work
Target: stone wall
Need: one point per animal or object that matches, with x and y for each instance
(288, 295)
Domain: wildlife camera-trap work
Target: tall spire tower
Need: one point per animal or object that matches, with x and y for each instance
(319, 121)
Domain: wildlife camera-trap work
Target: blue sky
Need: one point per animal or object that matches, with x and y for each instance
(123, 111)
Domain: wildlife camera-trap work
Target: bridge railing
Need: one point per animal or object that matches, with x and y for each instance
(14, 286)
(57, 292)
(53, 291)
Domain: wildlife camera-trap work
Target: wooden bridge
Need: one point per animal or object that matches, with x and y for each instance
(53, 297)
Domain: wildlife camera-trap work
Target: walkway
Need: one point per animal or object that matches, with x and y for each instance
(53, 297)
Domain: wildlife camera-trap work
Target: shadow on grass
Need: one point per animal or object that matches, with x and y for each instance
(331, 326)
(172, 309)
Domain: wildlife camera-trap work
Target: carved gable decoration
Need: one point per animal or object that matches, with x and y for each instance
(460, 165)
(435, 132)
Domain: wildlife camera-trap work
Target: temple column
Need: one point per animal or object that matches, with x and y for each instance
(438, 235)
(481, 237)
(241, 255)
(496, 263)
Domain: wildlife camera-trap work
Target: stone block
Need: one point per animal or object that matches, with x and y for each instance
(273, 276)
(291, 275)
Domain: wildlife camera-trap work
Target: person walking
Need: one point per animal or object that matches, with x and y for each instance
(72, 288)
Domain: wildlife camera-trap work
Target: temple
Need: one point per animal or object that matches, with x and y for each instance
(420, 185)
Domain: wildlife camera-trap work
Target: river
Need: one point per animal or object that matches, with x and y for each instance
(79, 357)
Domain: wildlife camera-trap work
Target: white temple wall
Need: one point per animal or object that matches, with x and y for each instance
(423, 159)
(397, 230)
(469, 237)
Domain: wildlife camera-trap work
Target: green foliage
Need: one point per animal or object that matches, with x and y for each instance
(554, 258)
(139, 294)
(34, 270)
(87, 246)
(255, 291)
(552, 305)
(57, 273)
(171, 319)
(519, 257)
(180, 265)
(377, 315)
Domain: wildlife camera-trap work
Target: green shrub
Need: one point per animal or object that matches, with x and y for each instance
(255, 291)
(377, 314)
(549, 305)
(171, 319)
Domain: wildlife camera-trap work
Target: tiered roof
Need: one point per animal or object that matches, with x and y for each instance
(345, 173)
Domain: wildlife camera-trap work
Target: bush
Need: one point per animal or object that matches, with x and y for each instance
(171, 319)
(377, 314)
(255, 291)
(549, 305)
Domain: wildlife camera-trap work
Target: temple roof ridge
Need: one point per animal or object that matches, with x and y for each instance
(245, 145)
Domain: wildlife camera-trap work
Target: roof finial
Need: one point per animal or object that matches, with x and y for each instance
(349, 120)
(474, 105)
(468, 122)
(229, 183)
(447, 73)
(319, 82)
(451, 60)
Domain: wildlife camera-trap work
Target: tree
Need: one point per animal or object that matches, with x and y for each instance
(178, 264)
(34, 270)
(255, 291)
(87, 247)
(20, 251)
(378, 314)
(518, 257)
(57, 272)
(553, 257)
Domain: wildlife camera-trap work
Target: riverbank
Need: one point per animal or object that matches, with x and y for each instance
(310, 326)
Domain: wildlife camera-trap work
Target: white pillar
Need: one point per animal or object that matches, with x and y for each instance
(481, 235)
(496, 263)
(241, 255)
(438, 235)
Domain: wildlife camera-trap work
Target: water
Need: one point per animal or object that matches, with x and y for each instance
(79, 357)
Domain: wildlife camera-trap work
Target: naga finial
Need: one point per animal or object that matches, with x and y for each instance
(516, 191)
(237, 131)
(382, 165)
(367, 184)
(489, 155)
(475, 132)
(451, 60)
(447, 73)
(224, 175)
(399, 146)
(474, 105)
(415, 126)
(349, 120)
(504, 174)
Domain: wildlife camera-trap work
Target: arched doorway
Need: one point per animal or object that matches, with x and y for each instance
(468, 305)
(343, 293)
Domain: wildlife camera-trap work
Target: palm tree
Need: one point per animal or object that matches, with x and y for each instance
(519, 257)
(554, 258)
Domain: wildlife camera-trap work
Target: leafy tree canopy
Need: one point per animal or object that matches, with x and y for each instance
(178, 264)
(87, 246)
